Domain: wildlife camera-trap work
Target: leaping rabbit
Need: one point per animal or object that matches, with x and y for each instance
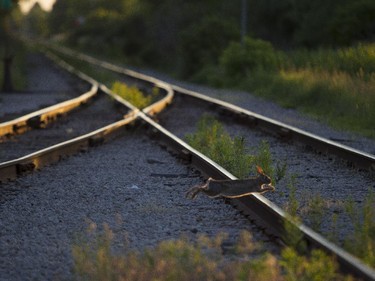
(233, 188)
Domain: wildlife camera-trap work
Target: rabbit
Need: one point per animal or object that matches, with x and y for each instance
(233, 188)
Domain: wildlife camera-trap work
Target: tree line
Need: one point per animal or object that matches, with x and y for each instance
(189, 34)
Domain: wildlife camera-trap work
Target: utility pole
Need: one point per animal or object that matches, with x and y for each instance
(243, 20)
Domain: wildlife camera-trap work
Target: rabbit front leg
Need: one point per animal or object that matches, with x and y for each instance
(193, 192)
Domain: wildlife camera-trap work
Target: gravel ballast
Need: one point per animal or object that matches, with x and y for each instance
(96, 114)
(130, 178)
(46, 85)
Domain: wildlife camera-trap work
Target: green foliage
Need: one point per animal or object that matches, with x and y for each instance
(192, 34)
(312, 23)
(131, 94)
(200, 46)
(316, 211)
(362, 241)
(317, 267)
(292, 236)
(241, 59)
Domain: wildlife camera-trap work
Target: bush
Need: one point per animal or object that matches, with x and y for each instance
(240, 59)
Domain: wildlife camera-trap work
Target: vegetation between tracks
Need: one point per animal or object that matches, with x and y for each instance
(361, 239)
(132, 94)
(232, 153)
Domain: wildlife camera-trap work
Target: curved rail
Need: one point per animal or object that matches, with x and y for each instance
(46, 115)
(153, 82)
(12, 169)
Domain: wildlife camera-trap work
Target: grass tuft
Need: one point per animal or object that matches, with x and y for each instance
(131, 94)
(229, 152)
(362, 241)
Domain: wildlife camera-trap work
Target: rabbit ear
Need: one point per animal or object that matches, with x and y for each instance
(260, 170)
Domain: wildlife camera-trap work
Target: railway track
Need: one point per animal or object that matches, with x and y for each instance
(257, 207)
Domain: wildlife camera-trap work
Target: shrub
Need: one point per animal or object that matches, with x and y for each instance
(239, 59)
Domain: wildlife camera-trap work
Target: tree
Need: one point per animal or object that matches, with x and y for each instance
(6, 7)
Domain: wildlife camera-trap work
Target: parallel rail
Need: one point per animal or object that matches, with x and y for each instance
(353, 156)
(258, 207)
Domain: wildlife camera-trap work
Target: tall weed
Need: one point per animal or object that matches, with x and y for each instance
(180, 259)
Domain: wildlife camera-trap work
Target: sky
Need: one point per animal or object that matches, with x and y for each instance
(26, 5)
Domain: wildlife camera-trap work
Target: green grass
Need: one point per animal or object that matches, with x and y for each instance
(334, 86)
(131, 94)
(338, 99)
(231, 153)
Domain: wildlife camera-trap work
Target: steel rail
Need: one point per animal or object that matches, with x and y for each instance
(10, 170)
(46, 115)
(353, 156)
